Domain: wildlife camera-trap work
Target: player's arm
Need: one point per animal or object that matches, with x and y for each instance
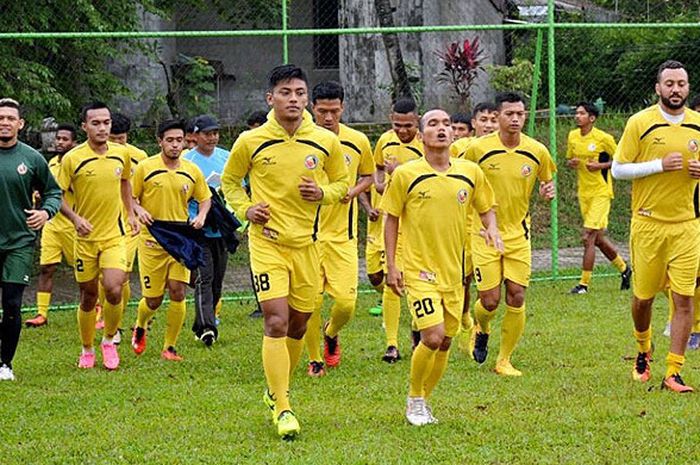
(50, 195)
(571, 160)
(337, 173)
(65, 179)
(236, 168)
(129, 206)
(625, 165)
(379, 173)
(484, 201)
(372, 213)
(136, 191)
(547, 168)
(362, 185)
(393, 202)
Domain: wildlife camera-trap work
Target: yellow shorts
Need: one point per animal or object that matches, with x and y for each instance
(132, 245)
(281, 271)
(93, 256)
(595, 211)
(664, 254)
(156, 267)
(467, 261)
(491, 267)
(374, 256)
(339, 269)
(57, 244)
(430, 306)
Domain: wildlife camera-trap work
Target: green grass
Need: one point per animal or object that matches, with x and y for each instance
(575, 404)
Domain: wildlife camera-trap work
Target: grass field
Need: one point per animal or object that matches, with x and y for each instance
(576, 403)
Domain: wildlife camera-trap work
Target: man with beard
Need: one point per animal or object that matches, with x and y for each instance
(659, 152)
(58, 236)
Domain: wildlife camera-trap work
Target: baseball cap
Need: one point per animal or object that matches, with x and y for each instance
(205, 123)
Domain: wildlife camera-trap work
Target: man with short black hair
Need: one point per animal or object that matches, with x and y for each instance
(256, 119)
(23, 171)
(461, 125)
(58, 235)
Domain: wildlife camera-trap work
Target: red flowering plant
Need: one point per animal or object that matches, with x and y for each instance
(462, 63)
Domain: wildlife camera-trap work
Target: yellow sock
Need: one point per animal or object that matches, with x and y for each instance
(126, 296)
(483, 317)
(174, 322)
(217, 309)
(86, 327)
(294, 348)
(422, 362)
(586, 277)
(674, 363)
(112, 315)
(467, 322)
(643, 340)
(391, 312)
(144, 314)
(312, 338)
(342, 312)
(275, 358)
(43, 300)
(620, 264)
(512, 329)
(439, 367)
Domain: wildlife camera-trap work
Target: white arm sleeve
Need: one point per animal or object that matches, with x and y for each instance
(636, 170)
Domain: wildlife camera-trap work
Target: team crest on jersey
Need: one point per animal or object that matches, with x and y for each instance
(185, 188)
(693, 145)
(526, 170)
(22, 168)
(311, 162)
(118, 171)
(427, 276)
(462, 195)
(348, 159)
(591, 147)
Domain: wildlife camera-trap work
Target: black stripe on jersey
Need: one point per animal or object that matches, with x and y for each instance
(314, 234)
(604, 157)
(654, 127)
(691, 126)
(419, 179)
(528, 155)
(116, 158)
(462, 177)
(314, 145)
(83, 163)
(525, 229)
(390, 144)
(187, 175)
(154, 173)
(415, 150)
(121, 225)
(351, 213)
(696, 201)
(265, 145)
(134, 161)
(491, 154)
(352, 146)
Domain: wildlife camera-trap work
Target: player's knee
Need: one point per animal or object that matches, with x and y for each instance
(275, 325)
(589, 237)
(154, 302)
(113, 294)
(47, 271)
(445, 344)
(376, 279)
(176, 291)
(515, 296)
(345, 305)
(432, 338)
(490, 302)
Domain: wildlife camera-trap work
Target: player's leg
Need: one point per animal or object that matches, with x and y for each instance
(600, 211)
(112, 263)
(220, 256)
(312, 337)
(452, 305)
(391, 316)
(512, 327)
(374, 261)
(86, 274)
(588, 239)
(488, 274)
(153, 275)
(49, 258)
(177, 310)
(15, 269)
(342, 282)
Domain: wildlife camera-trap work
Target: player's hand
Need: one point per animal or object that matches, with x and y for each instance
(142, 215)
(82, 226)
(259, 213)
(390, 165)
(394, 279)
(309, 190)
(198, 221)
(694, 169)
(134, 224)
(572, 162)
(672, 162)
(547, 190)
(592, 165)
(373, 214)
(493, 238)
(36, 219)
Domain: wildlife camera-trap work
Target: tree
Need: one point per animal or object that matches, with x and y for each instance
(461, 64)
(397, 67)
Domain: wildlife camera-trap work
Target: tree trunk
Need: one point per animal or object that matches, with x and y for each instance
(397, 67)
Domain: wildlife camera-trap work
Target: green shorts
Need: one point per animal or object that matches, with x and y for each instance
(16, 265)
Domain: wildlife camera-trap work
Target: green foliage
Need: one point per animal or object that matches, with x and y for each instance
(461, 65)
(193, 87)
(516, 77)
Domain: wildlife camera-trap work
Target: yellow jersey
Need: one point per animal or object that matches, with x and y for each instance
(390, 148)
(60, 223)
(433, 207)
(513, 174)
(165, 192)
(670, 196)
(458, 147)
(136, 155)
(339, 221)
(597, 146)
(96, 184)
(275, 163)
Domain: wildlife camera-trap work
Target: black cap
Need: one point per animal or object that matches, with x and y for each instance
(205, 123)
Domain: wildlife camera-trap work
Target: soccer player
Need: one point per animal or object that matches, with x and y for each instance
(512, 162)
(398, 145)
(256, 119)
(58, 236)
(589, 151)
(484, 121)
(338, 231)
(461, 125)
(659, 152)
(163, 186)
(294, 167)
(97, 172)
(190, 135)
(210, 278)
(23, 171)
(432, 197)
